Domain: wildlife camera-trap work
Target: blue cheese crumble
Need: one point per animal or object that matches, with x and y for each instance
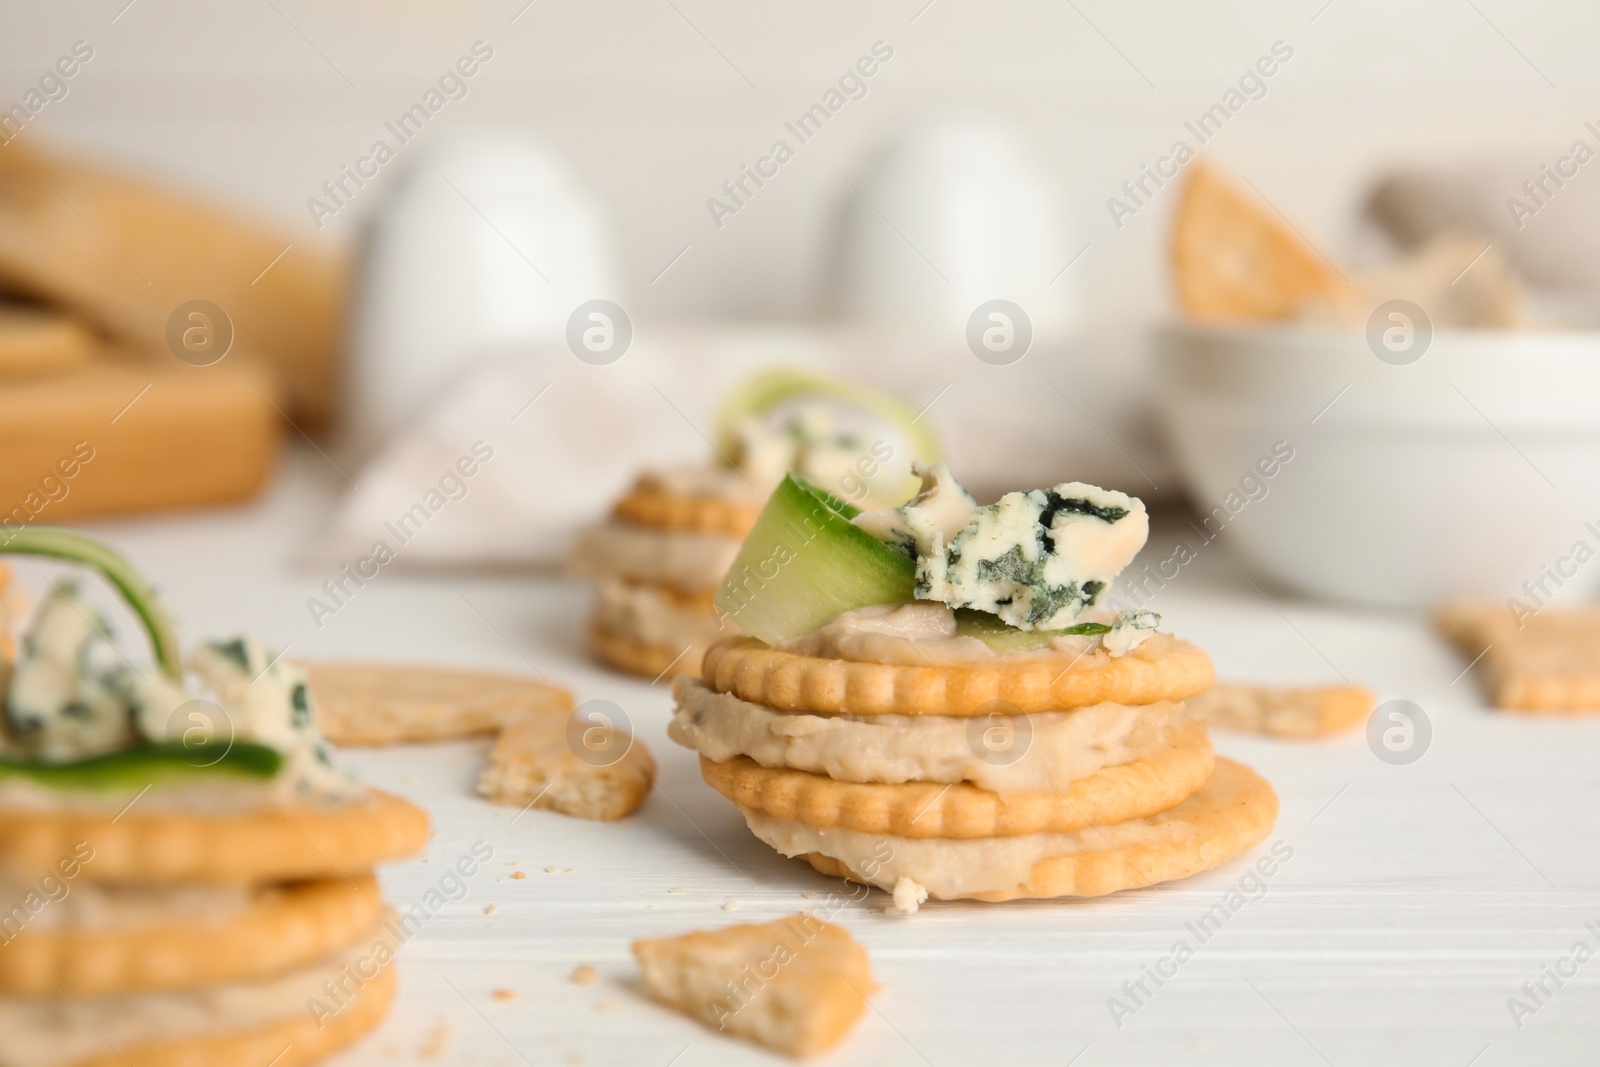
(1038, 559)
(71, 696)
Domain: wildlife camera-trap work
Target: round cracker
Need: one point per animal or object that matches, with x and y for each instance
(282, 928)
(1157, 670)
(272, 843)
(964, 811)
(299, 1041)
(1234, 811)
(633, 656)
(647, 505)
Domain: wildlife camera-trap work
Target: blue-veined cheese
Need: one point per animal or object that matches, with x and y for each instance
(1037, 559)
(939, 511)
(64, 701)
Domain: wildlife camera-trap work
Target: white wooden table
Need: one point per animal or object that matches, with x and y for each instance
(1418, 899)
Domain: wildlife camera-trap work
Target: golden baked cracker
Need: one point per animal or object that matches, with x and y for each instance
(298, 1041)
(1234, 259)
(1548, 661)
(36, 341)
(389, 703)
(1233, 812)
(642, 658)
(536, 762)
(650, 505)
(1159, 669)
(281, 928)
(963, 811)
(796, 985)
(274, 842)
(1313, 711)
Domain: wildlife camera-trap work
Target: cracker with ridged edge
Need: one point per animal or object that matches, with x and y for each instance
(1233, 812)
(275, 842)
(963, 811)
(298, 1041)
(393, 703)
(535, 762)
(633, 656)
(282, 928)
(1279, 711)
(649, 505)
(796, 985)
(1160, 669)
(1548, 661)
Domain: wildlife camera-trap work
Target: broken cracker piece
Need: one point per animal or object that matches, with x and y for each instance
(535, 762)
(1313, 711)
(1235, 260)
(796, 985)
(1548, 660)
(392, 703)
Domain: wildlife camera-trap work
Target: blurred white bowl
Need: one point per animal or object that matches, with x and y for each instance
(1473, 471)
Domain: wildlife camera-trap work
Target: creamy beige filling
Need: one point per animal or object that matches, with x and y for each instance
(1002, 753)
(50, 1032)
(222, 795)
(53, 902)
(683, 558)
(648, 614)
(923, 634)
(706, 480)
(948, 868)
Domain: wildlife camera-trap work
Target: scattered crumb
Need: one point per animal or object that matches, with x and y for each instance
(810, 894)
(730, 905)
(569, 870)
(908, 897)
(488, 909)
(438, 1041)
(585, 974)
(504, 994)
(519, 874)
(650, 907)
(676, 889)
(607, 1007)
(550, 869)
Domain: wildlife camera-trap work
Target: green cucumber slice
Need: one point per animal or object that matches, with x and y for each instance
(803, 563)
(56, 542)
(1003, 638)
(147, 764)
(763, 392)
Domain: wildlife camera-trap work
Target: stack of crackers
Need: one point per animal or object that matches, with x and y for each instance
(1039, 775)
(181, 927)
(656, 563)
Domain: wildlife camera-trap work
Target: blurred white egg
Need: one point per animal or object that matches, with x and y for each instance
(946, 218)
(486, 244)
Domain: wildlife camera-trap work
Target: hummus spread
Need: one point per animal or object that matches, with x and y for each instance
(88, 906)
(948, 868)
(689, 560)
(1041, 751)
(923, 634)
(648, 614)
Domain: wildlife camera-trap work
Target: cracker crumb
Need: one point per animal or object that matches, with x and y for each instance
(908, 897)
(607, 1007)
(810, 894)
(569, 870)
(551, 869)
(489, 909)
(584, 974)
(438, 1041)
(519, 875)
(730, 905)
(676, 889)
(504, 994)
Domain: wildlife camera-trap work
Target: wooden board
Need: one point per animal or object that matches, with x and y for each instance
(126, 254)
(133, 435)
